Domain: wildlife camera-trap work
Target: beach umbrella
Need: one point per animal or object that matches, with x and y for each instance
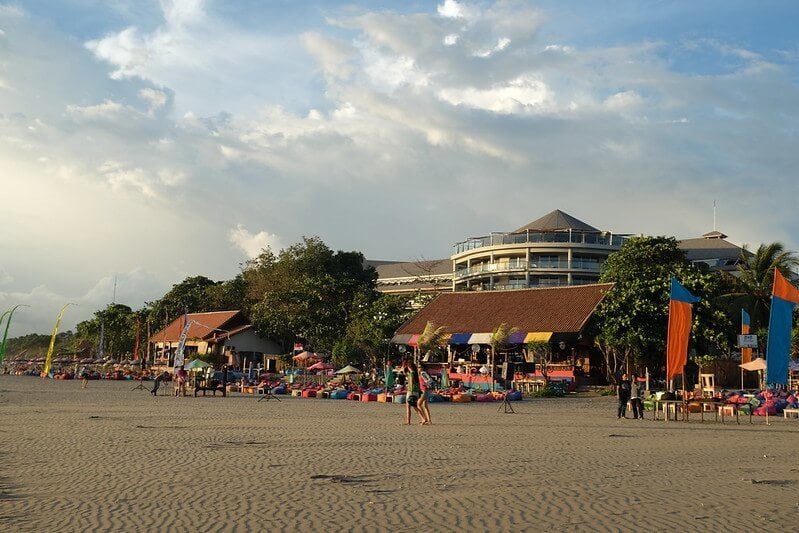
(304, 356)
(196, 364)
(321, 365)
(349, 369)
(757, 364)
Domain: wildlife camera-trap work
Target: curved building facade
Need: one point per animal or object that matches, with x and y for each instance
(555, 250)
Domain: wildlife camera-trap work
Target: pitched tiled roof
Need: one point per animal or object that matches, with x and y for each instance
(556, 220)
(710, 246)
(557, 309)
(203, 327)
(413, 269)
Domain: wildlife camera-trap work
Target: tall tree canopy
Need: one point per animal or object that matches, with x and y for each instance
(370, 329)
(307, 291)
(193, 294)
(633, 319)
(118, 323)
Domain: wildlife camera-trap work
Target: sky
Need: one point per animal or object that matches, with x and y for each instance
(145, 141)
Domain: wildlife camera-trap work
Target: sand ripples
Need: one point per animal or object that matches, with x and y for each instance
(107, 458)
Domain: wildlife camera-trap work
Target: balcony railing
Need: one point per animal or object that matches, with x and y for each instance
(573, 237)
(534, 284)
(521, 265)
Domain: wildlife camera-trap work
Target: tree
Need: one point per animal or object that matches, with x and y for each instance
(541, 352)
(500, 337)
(188, 296)
(307, 291)
(430, 338)
(752, 288)
(631, 324)
(370, 330)
(118, 324)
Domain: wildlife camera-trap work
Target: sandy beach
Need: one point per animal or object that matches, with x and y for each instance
(111, 459)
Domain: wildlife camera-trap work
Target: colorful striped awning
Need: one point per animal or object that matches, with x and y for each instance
(414, 340)
(538, 336)
(401, 339)
(517, 338)
(445, 339)
(460, 338)
(480, 338)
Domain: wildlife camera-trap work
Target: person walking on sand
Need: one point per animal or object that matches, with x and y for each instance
(412, 391)
(157, 382)
(636, 393)
(623, 394)
(84, 377)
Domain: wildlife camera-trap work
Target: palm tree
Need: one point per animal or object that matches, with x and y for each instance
(431, 337)
(500, 337)
(756, 277)
(499, 341)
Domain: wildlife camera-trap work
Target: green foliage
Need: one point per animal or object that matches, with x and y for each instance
(500, 337)
(35, 345)
(752, 287)
(633, 319)
(307, 291)
(190, 295)
(370, 329)
(551, 390)
(118, 322)
(430, 338)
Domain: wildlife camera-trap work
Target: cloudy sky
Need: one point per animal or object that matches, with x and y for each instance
(150, 140)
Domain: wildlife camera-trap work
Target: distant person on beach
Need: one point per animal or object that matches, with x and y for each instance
(157, 382)
(636, 395)
(182, 380)
(425, 382)
(412, 391)
(623, 394)
(84, 377)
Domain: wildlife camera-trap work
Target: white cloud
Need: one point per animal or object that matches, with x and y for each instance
(371, 113)
(155, 99)
(252, 244)
(522, 94)
(5, 277)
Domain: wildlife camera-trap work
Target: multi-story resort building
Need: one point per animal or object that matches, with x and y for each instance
(555, 250)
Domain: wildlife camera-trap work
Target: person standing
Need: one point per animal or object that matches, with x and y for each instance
(412, 391)
(182, 380)
(623, 394)
(84, 377)
(636, 397)
(425, 381)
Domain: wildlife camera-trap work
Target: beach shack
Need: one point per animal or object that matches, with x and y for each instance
(227, 335)
(549, 341)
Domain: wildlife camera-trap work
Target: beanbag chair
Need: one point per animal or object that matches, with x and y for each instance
(339, 395)
(484, 398)
(515, 396)
(399, 398)
(437, 398)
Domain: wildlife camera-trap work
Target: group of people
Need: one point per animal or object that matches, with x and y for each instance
(630, 390)
(417, 396)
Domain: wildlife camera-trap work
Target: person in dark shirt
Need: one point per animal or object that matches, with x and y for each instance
(623, 394)
(157, 382)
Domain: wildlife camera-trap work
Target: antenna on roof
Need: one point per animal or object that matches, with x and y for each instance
(714, 215)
